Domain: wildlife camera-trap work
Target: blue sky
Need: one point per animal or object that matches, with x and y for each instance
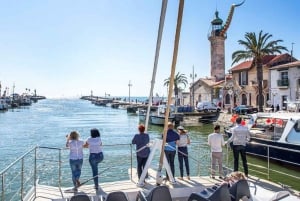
(66, 48)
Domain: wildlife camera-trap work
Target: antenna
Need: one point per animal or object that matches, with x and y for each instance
(292, 52)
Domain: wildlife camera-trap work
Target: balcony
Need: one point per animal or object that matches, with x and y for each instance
(284, 83)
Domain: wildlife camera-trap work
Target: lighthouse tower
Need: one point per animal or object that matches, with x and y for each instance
(217, 49)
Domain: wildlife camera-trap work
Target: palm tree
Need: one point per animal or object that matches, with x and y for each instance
(256, 49)
(180, 79)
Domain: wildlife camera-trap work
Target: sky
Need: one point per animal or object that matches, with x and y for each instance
(70, 48)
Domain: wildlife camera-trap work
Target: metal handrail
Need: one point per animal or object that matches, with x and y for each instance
(29, 181)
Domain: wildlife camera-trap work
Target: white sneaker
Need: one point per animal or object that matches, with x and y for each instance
(140, 184)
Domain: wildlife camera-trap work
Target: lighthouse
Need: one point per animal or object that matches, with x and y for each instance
(217, 49)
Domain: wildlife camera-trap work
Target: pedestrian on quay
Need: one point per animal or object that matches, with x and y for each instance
(184, 141)
(94, 144)
(76, 156)
(240, 135)
(170, 147)
(141, 140)
(216, 142)
(277, 108)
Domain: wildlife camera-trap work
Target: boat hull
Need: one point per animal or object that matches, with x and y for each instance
(160, 120)
(282, 152)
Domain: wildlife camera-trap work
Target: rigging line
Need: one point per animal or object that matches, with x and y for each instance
(171, 84)
(158, 42)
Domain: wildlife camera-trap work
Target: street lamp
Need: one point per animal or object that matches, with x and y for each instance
(129, 85)
(193, 76)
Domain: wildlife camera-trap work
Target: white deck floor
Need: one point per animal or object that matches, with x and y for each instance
(180, 191)
(196, 184)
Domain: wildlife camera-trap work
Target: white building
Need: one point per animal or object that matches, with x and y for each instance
(284, 84)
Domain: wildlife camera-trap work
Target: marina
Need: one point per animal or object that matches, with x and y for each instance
(58, 117)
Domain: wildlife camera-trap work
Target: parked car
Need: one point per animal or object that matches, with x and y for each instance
(207, 107)
(244, 109)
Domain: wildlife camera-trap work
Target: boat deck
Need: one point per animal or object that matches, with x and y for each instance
(195, 184)
(180, 191)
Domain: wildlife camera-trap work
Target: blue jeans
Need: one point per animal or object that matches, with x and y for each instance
(76, 169)
(183, 156)
(170, 155)
(94, 160)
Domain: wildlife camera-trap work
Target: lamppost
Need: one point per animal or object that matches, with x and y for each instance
(129, 85)
(193, 76)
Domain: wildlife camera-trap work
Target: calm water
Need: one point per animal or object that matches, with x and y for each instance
(47, 122)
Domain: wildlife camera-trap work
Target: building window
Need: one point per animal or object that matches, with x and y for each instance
(243, 78)
(227, 99)
(244, 99)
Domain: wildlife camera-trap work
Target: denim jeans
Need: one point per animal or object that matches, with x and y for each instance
(170, 155)
(76, 169)
(239, 149)
(95, 159)
(141, 162)
(183, 156)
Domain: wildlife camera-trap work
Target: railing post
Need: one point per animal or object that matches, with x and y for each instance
(35, 171)
(268, 162)
(131, 161)
(59, 168)
(2, 180)
(22, 178)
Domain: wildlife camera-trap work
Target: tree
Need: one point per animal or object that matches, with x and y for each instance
(256, 48)
(180, 79)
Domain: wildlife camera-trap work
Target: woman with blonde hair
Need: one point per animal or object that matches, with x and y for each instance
(76, 156)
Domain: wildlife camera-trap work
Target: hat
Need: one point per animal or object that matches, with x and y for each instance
(180, 128)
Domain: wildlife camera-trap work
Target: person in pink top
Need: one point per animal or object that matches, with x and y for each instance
(216, 142)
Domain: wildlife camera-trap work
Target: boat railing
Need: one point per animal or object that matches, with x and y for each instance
(50, 166)
(267, 171)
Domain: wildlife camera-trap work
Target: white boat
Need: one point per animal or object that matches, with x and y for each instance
(3, 104)
(158, 117)
(276, 135)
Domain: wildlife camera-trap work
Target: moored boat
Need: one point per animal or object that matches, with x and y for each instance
(3, 104)
(276, 135)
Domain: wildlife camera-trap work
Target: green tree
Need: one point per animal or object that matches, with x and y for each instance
(180, 79)
(256, 48)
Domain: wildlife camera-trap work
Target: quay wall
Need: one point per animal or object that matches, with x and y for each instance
(193, 120)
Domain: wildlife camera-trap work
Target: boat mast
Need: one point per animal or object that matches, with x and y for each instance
(171, 84)
(158, 42)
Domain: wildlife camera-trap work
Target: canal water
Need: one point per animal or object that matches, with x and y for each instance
(47, 122)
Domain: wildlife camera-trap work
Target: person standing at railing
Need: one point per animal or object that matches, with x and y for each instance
(240, 136)
(141, 140)
(184, 141)
(170, 147)
(76, 156)
(216, 142)
(94, 144)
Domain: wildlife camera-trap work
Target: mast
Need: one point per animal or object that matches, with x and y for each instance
(158, 42)
(171, 84)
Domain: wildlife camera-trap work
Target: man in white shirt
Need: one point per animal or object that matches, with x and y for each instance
(239, 137)
(216, 142)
